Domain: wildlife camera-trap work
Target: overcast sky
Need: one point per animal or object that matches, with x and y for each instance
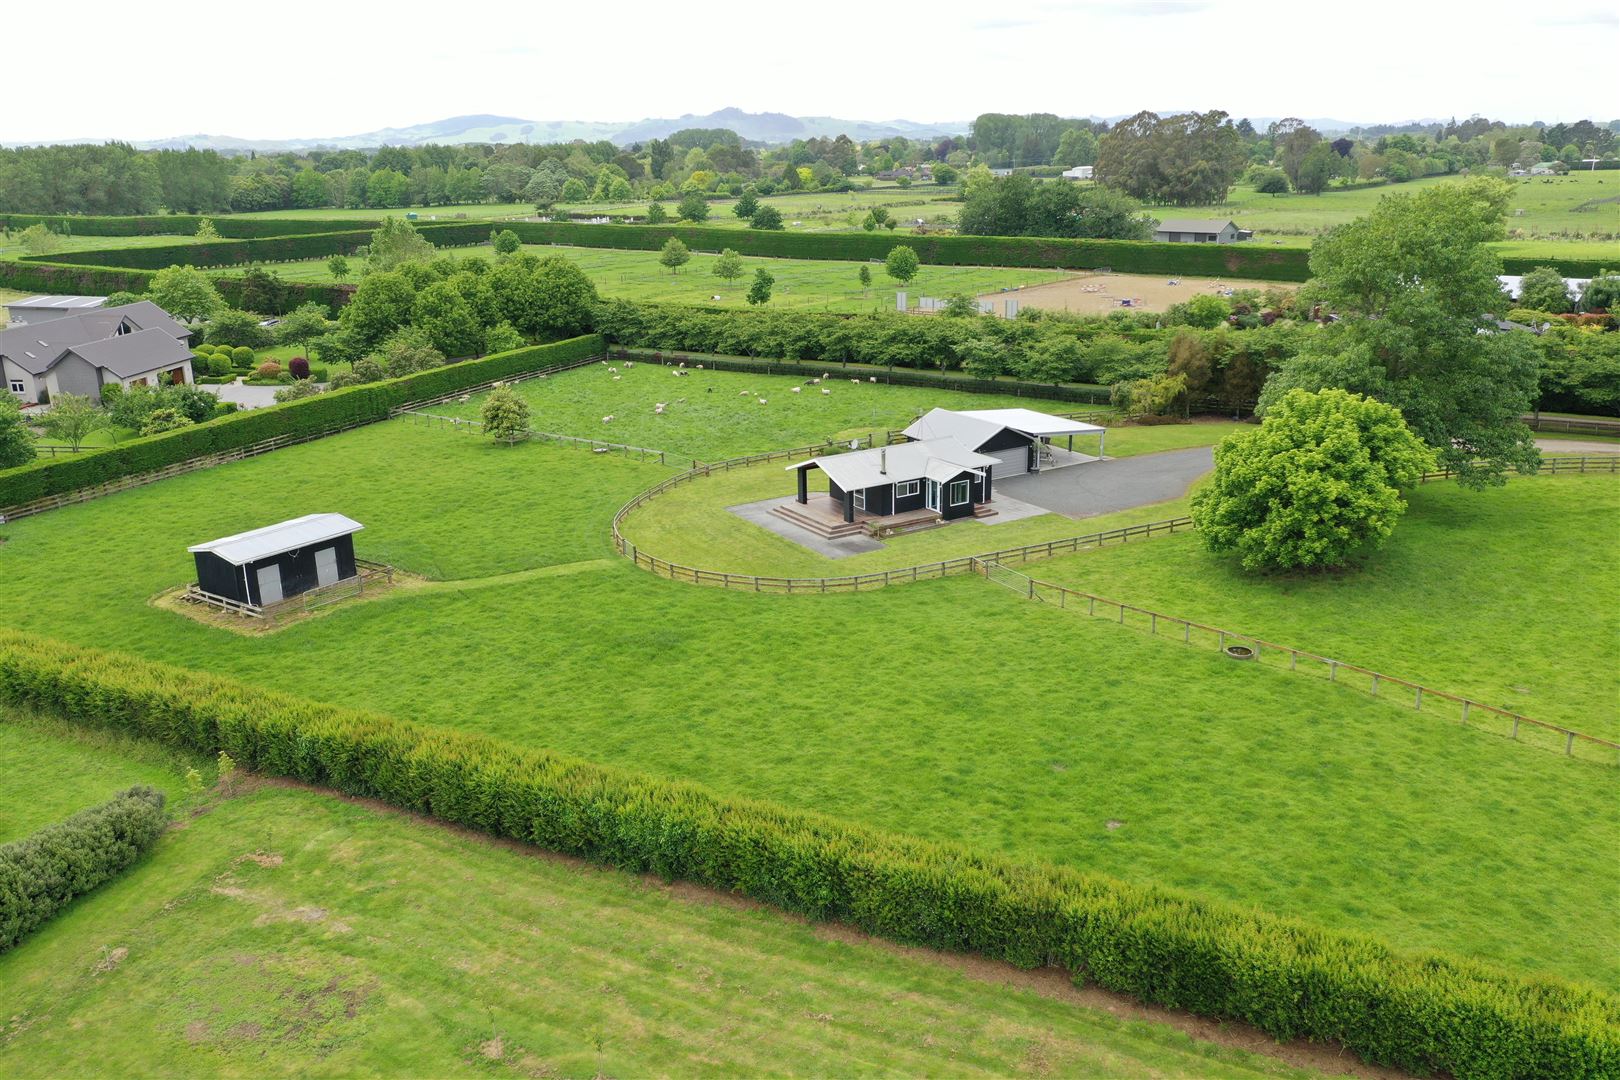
(300, 68)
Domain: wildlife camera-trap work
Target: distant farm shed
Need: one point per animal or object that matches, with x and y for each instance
(1199, 231)
(37, 309)
(265, 566)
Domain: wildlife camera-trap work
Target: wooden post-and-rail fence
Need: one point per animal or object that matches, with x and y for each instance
(1464, 710)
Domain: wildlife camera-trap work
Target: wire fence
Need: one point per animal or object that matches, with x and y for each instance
(1246, 647)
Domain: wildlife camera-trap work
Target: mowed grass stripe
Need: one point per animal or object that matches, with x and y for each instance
(289, 931)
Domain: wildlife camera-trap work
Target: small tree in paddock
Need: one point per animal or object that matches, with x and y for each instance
(656, 214)
(866, 277)
(694, 207)
(506, 415)
(675, 254)
(505, 242)
(1316, 483)
(72, 418)
(902, 264)
(729, 266)
(338, 266)
(766, 217)
(747, 205)
(760, 291)
(206, 231)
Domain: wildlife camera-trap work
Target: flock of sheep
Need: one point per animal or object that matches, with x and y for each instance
(680, 370)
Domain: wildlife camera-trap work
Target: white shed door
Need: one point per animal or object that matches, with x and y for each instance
(326, 568)
(1014, 462)
(269, 584)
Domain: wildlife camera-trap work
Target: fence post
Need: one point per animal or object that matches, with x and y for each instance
(1569, 744)
(1333, 671)
(1375, 686)
(1418, 705)
(1466, 703)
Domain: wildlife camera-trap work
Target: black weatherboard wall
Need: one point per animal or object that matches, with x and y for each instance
(241, 583)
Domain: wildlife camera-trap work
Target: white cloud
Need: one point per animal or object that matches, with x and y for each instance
(315, 67)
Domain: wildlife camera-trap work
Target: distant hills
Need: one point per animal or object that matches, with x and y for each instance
(768, 127)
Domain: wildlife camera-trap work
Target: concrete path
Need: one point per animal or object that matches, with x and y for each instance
(760, 514)
(1115, 484)
(1556, 447)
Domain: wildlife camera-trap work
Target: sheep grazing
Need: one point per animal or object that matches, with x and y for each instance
(616, 378)
(857, 382)
(607, 419)
(742, 393)
(629, 364)
(700, 367)
(762, 401)
(613, 370)
(824, 375)
(796, 389)
(871, 378)
(824, 390)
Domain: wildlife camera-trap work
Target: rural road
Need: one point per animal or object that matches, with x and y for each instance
(1103, 487)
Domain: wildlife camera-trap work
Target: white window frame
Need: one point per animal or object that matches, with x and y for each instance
(904, 489)
(967, 492)
(18, 386)
(860, 498)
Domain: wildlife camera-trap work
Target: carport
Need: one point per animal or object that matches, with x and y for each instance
(1019, 439)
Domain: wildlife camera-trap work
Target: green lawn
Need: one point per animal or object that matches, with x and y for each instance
(470, 211)
(10, 249)
(841, 211)
(284, 932)
(1478, 625)
(710, 415)
(1235, 781)
(801, 284)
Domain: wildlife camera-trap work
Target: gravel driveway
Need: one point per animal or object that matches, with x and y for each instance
(1101, 487)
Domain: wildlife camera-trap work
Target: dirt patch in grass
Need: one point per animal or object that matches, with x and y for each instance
(246, 626)
(111, 960)
(1098, 294)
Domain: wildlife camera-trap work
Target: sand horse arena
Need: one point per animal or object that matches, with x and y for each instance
(1099, 293)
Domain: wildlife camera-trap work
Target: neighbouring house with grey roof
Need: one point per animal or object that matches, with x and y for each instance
(37, 309)
(1199, 231)
(265, 566)
(136, 344)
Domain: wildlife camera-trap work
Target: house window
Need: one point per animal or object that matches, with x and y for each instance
(907, 487)
(17, 387)
(860, 499)
(959, 492)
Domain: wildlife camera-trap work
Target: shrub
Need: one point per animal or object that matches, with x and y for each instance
(298, 367)
(1316, 483)
(319, 372)
(269, 370)
(165, 419)
(1292, 979)
(298, 391)
(218, 365)
(241, 356)
(41, 874)
(368, 369)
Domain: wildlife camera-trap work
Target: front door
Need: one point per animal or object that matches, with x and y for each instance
(326, 568)
(931, 495)
(269, 585)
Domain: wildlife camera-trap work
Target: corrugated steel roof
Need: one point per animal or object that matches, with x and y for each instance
(57, 302)
(291, 535)
(1033, 423)
(975, 427)
(1193, 224)
(923, 459)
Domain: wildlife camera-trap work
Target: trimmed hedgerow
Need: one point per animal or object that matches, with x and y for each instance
(181, 225)
(102, 280)
(1125, 256)
(1292, 979)
(292, 248)
(332, 411)
(43, 873)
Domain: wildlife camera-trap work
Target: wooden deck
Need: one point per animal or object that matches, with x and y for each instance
(824, 516)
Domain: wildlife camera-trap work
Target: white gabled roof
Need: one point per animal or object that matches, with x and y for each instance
(975, 427)
(284, 536)
(933, 459)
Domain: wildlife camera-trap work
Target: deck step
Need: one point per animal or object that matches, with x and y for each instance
(816, 523)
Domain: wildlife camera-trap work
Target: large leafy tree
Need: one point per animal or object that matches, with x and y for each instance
(1318, 482)
(1183, 160)
(449, 320)
(395, 243)
(902, 264)
(674, 254)
(506, 415)
(184, 292)
(381, 305)
(1544, 289)
(1413, 285)
(1018, 206)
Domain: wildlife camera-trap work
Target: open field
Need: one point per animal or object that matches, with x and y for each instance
(1099, 294)
(470, 211)
(10, 249)
(801, 284)
(1558, 210)
(285, 930)
(1235, 781)
(826, 211)
(1397, 612)
(710, 415)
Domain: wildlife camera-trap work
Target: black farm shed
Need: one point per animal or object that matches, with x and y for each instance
(267, 565)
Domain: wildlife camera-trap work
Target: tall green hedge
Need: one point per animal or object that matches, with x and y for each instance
(331, 411)
(1126, 256)
(182, 225)
(101, 280)
(292, 248)
(43, 873)
(1421, 1012)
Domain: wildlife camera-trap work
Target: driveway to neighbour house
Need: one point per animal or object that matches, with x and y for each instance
(246, 397)
(1102, 487)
